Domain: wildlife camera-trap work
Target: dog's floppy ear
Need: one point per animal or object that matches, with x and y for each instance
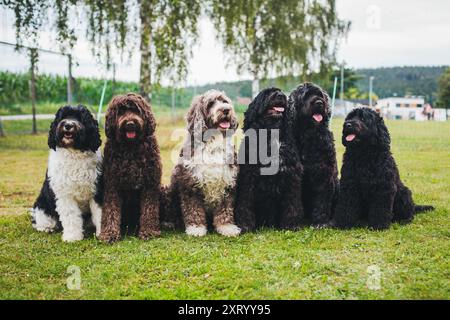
(91, 126)
(297, 97)
(290, 115)
(150, 124)
(253, 110)
(52, 134)
(146, 112)
(327, 105)
(111, 118)
(195, 116)
(382, 131)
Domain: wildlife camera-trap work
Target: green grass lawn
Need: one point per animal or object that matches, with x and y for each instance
(413, 260)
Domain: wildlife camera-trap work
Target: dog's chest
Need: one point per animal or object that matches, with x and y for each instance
(73, 173)
(213, 166)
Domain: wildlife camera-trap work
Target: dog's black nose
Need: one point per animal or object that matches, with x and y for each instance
(130, 125)
(347, 125)
(68, 126)
(226, 110)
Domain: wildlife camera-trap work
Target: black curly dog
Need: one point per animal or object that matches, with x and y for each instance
(316, 146)
(371, 191)
(269, 200)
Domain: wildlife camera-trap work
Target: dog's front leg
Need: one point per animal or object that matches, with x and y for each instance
(223, 219)
(244, 208)
(381, 208)
(292, 212)
(111, 216)
(348, 208)
(149, 221)
(194, 214)
(71, 219)
(321, 204)
(96, 214)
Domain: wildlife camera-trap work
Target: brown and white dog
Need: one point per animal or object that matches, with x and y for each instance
(203, 182)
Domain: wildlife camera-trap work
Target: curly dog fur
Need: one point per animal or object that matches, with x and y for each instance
(203, 182)
(132, 170)
(371, 190)
(269, 200)
(68, 195)
(318, 155)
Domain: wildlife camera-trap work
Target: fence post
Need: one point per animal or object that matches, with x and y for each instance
(2, 133)
(69, 81)
(173, 104)
(33, 58)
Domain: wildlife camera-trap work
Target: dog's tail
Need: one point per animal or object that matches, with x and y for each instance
(419, 209)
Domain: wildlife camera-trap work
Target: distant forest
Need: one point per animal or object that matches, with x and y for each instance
(401, 81)
(388, 82)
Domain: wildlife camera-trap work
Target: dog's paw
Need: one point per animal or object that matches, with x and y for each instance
(320, 225)
(228, 230)
(41, 221)
(109, 237)
(196, 231)
(292, 224)
(145, 235)
(168, 225)
(72, 236)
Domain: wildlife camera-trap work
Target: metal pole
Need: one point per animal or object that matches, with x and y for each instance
(333, 100)
(370, 91)
(33, 56)
(173, 103)
(69, 81)
(2, 133)
(341, 96)
(100, 105)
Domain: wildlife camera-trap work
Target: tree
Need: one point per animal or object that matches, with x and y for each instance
(444, 89)
(286, 37)
(351, 79)
(164, 30)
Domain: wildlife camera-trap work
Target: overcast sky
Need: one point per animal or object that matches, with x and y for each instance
(383, 33)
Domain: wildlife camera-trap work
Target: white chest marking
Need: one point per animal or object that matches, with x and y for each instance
(72, 174)
(214, 168)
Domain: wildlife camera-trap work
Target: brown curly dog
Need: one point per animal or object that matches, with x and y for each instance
(131, 169)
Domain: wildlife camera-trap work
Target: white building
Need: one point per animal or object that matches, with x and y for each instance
(407, 108)
(342, 108)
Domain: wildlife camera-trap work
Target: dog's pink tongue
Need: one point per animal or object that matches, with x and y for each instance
(131, 134)
(350, 137)
(278, 109)
(224, 125)
(317, 117)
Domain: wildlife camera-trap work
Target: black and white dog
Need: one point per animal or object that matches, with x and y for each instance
(70, 190)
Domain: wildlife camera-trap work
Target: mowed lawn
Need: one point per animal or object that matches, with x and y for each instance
(406, 262)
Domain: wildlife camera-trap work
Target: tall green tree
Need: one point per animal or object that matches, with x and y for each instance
(444, 89)
(163, 30)
(286, 37)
